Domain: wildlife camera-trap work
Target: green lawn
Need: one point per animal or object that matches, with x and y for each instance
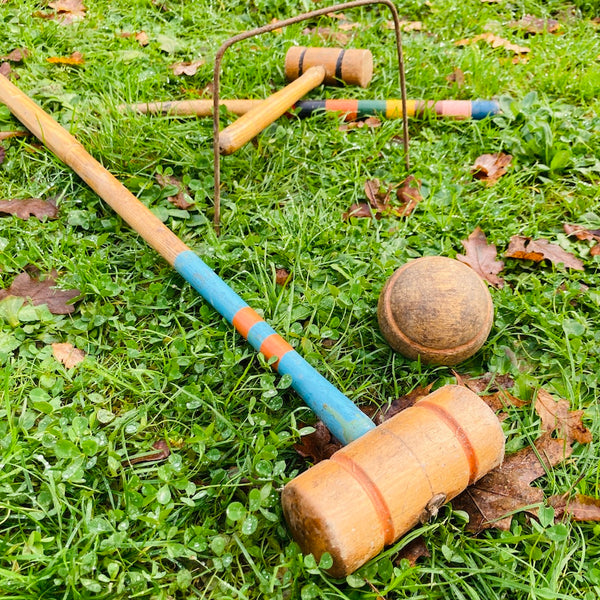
(78, 517)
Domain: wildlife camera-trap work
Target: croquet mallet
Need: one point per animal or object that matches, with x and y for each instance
(306, 68)
(387, 477)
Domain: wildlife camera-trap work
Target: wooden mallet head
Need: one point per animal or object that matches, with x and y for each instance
(379, 486)
(306, 68)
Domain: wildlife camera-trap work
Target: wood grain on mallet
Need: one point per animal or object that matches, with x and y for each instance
(255, 120)
(379, 486)
(352, 67)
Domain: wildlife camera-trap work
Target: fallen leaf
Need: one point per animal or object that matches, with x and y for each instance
(581, 233)
(525, 248)
(379, 195)
(179, 199)
(2, 154)
(67, 11)
(5, 135)
(488, 382)
(409, 193)
(413, 551)
(282, 276)
(187, 68)
(491, 501)
(579, 508)
(405, 25)
(75, 59)
(369, 122)
(17, 55)
(161, 452)
(141, 37)
(67, 354)
(534, 25)
(556, 416)
(495, 42)
(400, 404)
(29, 207)
(319, 445)
(5, 69)
(481, 257)
(360, 210)
(327, 34)
(490, 167)
(349, 26)
(42, 292)
(458, 77)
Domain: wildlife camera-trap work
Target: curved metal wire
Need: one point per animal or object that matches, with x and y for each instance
(278, 25)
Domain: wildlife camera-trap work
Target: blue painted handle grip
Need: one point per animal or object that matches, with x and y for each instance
(341, 416)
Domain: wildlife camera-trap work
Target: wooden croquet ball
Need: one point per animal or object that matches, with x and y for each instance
(435, 308)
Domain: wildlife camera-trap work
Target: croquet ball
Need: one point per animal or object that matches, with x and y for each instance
(435, 308)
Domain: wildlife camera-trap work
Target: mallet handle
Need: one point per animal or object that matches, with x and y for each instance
(351, 109)
(254, 121)
(341, 416)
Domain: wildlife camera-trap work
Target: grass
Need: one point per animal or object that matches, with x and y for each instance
(162, 365)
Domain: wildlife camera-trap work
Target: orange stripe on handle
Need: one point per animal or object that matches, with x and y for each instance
(275, 345)
(349, 107)
(244, 319)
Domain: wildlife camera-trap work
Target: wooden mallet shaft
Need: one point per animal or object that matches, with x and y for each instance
(307, 68)
(338, 412)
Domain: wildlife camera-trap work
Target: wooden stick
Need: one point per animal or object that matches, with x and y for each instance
(341, 416)
(199, 108)
(254, 121)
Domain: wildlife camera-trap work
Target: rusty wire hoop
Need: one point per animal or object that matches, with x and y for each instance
(278, 25)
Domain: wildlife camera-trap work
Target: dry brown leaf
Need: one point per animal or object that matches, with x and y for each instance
(490, 167)
(579, 508)
(495, 42)
(6, 70)
(525, 248)
(17, 55)
(409, 194)
(581, 233)
(29, 207)
(179, 199)
(161, 451)
(360, 210)
(534, 25)
(42, 292)
(319, 445)
(187, 68)
(481, 257)
(67, 354)
(2, 154)
(282, 276)
(5, 135)
(67, 11)
(400, 404)
(556, 416)
(369, 122)
(488, 382)
(491, 501)
(405, 25)
(141, 37)
(413, 551)
(327, 34)
(458, 77)
(75, 59)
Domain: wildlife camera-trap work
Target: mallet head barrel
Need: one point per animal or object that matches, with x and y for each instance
(375, 489)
